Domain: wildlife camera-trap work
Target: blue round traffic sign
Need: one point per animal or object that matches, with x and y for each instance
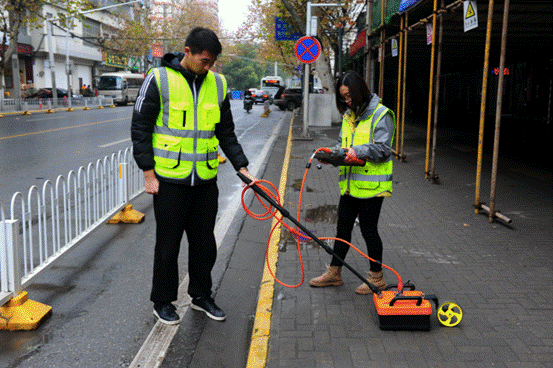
(307, 49)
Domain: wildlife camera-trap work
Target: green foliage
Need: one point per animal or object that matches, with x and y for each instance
(245, 78)
(241, 68)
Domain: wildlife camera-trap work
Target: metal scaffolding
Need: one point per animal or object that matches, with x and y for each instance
(441, 23)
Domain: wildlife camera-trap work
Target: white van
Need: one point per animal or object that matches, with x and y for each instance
(123, 87)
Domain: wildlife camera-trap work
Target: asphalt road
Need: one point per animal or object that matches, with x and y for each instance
(99, 292)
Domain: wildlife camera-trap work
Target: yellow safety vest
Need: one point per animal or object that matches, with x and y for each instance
(184, 135)
(374, 179)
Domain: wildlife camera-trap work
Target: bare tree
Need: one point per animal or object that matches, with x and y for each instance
(26, 13)
(333, 21)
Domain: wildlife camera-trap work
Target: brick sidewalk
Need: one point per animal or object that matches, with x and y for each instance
(501, 276)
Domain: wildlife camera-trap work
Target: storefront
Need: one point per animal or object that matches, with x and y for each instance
(25, 69)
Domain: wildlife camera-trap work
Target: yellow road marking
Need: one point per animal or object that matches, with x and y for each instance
(68, 127)
(257, 357)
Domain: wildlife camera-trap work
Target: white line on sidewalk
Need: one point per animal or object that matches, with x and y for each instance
(154, 349)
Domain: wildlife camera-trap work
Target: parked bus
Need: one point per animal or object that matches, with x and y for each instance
(123, 87)
(271, 84)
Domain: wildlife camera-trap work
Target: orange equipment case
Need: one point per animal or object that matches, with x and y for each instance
(408, 310)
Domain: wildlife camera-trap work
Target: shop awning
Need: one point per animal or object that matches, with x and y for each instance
(406, 4)
(359, 43)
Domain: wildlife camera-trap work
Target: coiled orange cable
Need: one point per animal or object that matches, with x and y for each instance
(273, 212)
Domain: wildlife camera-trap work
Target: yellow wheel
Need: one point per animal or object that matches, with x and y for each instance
(449, 314)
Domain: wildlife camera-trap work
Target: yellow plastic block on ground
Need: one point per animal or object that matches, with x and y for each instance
(128, 216)
(20, 313)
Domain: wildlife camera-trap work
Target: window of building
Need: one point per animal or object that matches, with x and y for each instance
(91, 30)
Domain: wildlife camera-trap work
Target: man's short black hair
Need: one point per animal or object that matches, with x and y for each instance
(203, 39)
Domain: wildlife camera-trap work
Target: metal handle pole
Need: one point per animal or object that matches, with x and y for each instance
(286, 214)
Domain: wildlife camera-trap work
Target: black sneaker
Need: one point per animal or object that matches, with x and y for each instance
(208, 306)
(166, 313)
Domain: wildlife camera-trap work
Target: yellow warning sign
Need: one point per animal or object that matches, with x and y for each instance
(471, 15)
(470, 11)
(394, 47)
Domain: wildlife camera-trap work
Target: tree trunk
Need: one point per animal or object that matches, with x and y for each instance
(323, 71)
(6, 57)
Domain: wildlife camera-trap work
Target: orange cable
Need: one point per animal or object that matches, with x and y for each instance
(273, 212)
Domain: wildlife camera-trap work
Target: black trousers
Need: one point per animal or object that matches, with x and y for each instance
(179, 209)
(368, 210)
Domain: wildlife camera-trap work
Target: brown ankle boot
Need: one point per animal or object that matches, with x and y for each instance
(375, 278)
(331, 277)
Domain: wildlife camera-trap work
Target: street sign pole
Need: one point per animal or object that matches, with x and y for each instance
(306, 77)
(307, 69)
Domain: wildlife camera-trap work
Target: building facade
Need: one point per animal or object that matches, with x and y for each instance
(78, 59)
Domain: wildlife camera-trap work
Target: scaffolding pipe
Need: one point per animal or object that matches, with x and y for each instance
(498, 215)
(477, 203)
(399, 86)
(433, 176)
(423, 21)
(498, 109)
(382, 51)
(404, 82)
(370, 61)
(430, 89)
(549, 102)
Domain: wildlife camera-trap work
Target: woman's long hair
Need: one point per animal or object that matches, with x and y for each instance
(358, 89)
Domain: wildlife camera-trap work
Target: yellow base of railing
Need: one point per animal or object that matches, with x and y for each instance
(20, 313)
(128, 216)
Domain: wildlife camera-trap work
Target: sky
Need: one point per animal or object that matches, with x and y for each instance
(233, 13)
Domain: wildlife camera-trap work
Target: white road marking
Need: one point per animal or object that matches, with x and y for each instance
(114, 143)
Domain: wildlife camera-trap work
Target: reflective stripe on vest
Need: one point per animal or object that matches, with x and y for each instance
(363, 177)
(184, 135)
(375, 178)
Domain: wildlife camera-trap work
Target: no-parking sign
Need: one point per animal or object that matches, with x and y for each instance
(307, 49)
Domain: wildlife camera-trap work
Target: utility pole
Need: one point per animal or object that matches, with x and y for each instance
(67, 64)
(15, 73)
(52, 68)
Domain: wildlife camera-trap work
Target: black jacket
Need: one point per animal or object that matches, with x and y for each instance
(146, 111)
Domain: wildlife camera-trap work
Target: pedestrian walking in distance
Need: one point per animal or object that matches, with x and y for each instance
(367, 133)
(181, 116)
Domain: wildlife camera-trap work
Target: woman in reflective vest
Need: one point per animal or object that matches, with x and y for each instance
(366, 136)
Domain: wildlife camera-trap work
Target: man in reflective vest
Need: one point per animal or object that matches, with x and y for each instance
(181, 116)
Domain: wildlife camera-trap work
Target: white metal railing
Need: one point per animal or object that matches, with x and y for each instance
(13, 105)
(49, 221)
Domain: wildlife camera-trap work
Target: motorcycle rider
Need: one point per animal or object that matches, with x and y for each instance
(248, 100)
